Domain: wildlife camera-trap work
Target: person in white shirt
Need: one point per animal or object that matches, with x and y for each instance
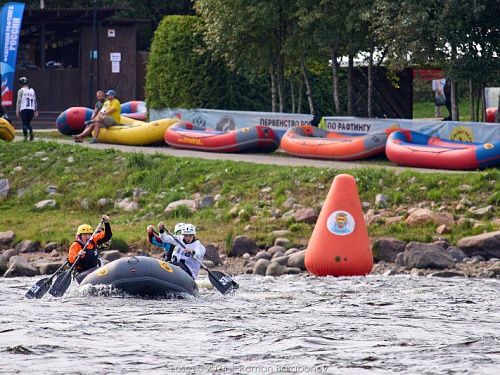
(26, 106)
(187, 247)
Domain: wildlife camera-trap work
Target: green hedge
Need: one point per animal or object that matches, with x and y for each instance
(181, 73)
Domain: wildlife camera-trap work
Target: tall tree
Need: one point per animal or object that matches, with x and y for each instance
(250, 36)
(461, 37)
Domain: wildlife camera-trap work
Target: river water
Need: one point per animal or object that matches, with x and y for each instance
(292, 324)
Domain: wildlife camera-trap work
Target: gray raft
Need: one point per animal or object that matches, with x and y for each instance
(143, 276)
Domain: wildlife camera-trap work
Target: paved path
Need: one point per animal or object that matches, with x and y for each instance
(278, 158)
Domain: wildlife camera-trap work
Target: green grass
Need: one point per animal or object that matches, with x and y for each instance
(96, 174)
(425, 109)
(53, 134)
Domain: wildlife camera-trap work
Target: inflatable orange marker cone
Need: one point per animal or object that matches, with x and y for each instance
(339, 244)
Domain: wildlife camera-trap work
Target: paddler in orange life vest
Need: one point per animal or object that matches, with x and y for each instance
(89, 259)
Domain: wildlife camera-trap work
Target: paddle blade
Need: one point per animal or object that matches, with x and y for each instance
(38, 289)
(61, 284)
(222, 282)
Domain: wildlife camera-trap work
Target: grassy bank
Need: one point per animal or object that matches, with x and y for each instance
(425, 109)
(94, 174)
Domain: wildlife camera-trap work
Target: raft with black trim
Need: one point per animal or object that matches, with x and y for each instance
(311, 142)
(187, 136)
(143, 276)
(7, 132)
(413, 149)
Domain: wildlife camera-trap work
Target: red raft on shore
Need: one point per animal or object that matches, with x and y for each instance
(406, 147)
(310, 142)
(187, 136)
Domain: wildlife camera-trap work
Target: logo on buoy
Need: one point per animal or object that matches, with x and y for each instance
(340, 223)
(103, 271)
(165, 266)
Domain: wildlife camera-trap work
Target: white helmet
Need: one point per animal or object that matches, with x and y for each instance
(178, 228)
(188, 229)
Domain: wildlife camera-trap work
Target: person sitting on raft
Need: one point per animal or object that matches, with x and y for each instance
(89, 259)
(187, 247)
(168, 248)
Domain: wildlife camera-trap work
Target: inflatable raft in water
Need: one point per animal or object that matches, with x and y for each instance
(311, 142)
(191, 137)
(409, 148)
(143, 276)
(7, 132)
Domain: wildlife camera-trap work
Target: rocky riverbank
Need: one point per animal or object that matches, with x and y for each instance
(476, 256)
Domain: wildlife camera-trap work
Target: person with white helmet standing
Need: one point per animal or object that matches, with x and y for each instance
(27, 107)
(187, 248)
(155, 240)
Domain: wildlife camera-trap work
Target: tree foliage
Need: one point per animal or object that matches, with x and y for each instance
(182, 73)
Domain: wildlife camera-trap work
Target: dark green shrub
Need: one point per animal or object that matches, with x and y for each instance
(182, 73)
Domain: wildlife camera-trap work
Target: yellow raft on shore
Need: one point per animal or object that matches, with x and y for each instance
(136, 133)
(7, 132)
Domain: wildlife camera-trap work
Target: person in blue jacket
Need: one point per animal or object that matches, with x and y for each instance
(168, 248)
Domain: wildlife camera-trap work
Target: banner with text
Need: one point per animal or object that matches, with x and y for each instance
(459, 131)
(280, 122)
(229, 120)
(11, 17)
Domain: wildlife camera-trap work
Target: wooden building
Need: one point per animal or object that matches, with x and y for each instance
(56, 55)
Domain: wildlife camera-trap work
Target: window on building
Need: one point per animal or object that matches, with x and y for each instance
(28, 52)
(62, 47)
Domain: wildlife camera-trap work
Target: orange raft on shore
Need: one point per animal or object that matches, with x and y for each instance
(252, 139)
(308, 141)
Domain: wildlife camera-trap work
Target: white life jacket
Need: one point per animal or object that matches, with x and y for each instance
(179, 254)
(28, 98)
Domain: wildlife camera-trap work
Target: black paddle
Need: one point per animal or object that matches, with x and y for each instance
(222, 282)
(41, 287)
(63, 281)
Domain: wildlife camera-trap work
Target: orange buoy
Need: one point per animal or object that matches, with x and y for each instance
(339, 244)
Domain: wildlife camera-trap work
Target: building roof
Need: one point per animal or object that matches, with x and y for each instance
(75, 16)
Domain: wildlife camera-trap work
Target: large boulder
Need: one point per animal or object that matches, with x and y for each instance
(212, 253)
(47, 203)
(487, 245)
(127, 204)
(261, 267)
(419, 216)
(423, 255)
(111, 255)
(4, 264)
(263, 255)
(50, 246)
(296, 260)
(387, 249)
(48, 268)
(28, 246)
(242, 245)
(19, 266)
(282, 260)
(188, 203)
(275, 269)
(305, 215)
(10, 253)
(457, 254)
(276, 249)
(6, 238)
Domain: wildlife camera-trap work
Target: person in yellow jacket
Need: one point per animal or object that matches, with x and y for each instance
(89, 258)
(110, 114)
